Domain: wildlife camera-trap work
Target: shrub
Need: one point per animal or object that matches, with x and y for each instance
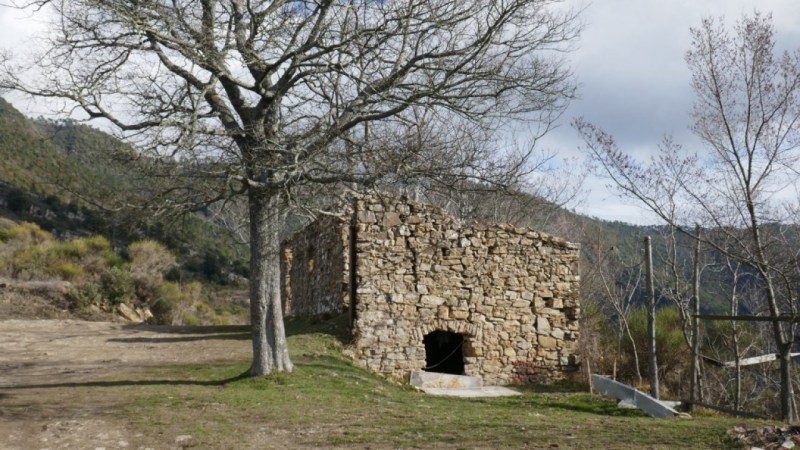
(116, 285)
(71, 250)
(191, 320)
(97, 243)
(147, 290)
(69, 271)
(19, 202)
(222, 320)
(83, 296)
(671, 347)
(28, 262)
(25, 232)
(182, 305)
(150, 259)
(163, 307)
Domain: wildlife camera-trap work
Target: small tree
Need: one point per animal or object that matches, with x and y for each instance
(747, 113)
(260, 99)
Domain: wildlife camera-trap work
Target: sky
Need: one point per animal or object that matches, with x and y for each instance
(629, 62)
(635, 85)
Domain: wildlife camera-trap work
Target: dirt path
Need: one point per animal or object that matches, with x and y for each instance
(51, 372)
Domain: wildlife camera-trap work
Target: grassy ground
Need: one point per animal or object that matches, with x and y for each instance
(328, 402)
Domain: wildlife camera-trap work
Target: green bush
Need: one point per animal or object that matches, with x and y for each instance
(31, 253)
(116, 285)
(97, 243)
(83, 296)
(25, 231)
(150, 259)
(671, 348)
(70, 250)
(69, 271)
(147, 290)
(163, 307)
(191, 320)
(28, 262)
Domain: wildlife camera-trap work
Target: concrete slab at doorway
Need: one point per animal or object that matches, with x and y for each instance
(422, 379)
(475, 392)
(448, 385)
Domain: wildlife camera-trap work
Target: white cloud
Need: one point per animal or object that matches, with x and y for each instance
(635, 83)
(18, 28)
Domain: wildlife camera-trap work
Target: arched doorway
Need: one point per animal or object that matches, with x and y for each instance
(444, 352)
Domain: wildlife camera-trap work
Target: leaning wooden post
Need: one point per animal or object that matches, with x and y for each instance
(651, 319)
(694, 389)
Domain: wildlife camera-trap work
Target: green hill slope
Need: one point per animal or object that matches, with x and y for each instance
(53, 172)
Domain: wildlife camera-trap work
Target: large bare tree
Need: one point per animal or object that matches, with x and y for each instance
(747, 115)
(258, 98)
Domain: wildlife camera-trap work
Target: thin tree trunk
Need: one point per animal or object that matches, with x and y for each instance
(737, 353)
(270, 351)
(695, 377)
(635, 352)
(782, 341)
(651, 319)
(783, 344)
(787, 395)
(737, 357)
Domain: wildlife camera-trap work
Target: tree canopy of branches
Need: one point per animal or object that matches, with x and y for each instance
(260, 98)
(747, 115)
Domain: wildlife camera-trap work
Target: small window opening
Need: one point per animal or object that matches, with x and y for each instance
(444, 352)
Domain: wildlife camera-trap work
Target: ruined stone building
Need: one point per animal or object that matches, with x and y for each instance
(427, 292)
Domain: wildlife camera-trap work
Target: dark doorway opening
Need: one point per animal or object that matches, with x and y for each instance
(444, 352)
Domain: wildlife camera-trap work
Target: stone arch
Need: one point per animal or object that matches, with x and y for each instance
(470, 332)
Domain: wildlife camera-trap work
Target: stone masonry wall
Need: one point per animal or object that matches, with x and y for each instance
(314, 269)
(512, 292)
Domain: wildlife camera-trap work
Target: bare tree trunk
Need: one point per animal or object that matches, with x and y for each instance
(787, 395)
(737, 352)
(633, 346)
(695, 377)
(737, 396)
(270, 352)
(651, 319)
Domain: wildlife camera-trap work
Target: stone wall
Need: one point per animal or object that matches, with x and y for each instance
(511, 292)
(314, 269)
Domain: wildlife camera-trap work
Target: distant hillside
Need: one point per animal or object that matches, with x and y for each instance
(51, 170)
(48, 170)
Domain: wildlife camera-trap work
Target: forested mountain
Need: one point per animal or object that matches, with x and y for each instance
(51, 170)
(54, 172)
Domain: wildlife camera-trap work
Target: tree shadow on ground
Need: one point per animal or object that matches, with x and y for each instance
(596, 406)
(564, 387)
(337, 326)
(180, 329)
(124, 383)
(169, 340)
(185, 333)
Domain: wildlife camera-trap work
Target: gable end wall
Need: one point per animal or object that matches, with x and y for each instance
(512, 292)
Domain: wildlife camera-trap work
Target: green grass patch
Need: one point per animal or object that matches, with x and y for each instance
(328, 401)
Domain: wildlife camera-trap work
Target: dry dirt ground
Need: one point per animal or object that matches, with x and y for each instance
(60, 379)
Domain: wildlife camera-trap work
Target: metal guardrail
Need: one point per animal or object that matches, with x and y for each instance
(651, 406)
